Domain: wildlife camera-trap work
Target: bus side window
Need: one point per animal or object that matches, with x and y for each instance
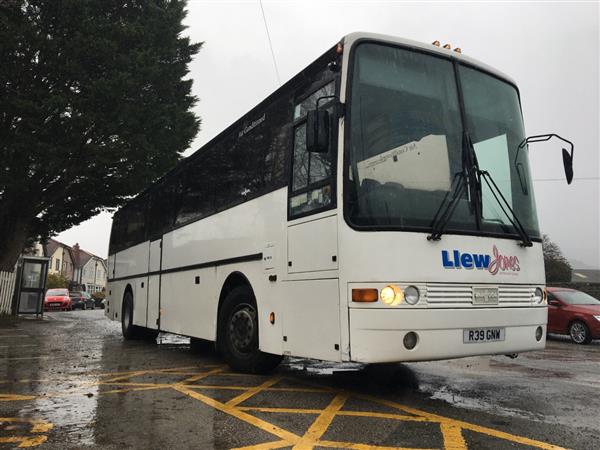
(311, 187)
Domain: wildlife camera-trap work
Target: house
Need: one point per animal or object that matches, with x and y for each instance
(90, 270)
(61, 259)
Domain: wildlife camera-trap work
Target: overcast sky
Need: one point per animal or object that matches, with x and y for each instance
(551, 49)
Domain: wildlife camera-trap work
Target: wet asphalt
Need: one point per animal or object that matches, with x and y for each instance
(70, 381)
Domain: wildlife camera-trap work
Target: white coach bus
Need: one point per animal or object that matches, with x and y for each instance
(378, 207)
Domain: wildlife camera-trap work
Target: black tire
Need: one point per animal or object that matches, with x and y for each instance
(238, 334)
(580, 333)
(84, 307)
(129, 330)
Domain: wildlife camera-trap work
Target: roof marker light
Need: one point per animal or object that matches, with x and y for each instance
(436, 43)
(458, 50)
(447, 46)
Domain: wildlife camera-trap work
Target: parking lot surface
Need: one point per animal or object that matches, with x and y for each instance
(70, 381)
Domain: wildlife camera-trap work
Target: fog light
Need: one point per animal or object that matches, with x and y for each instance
(391, 295)
(539, 333)
(411, 295)
(410, 340)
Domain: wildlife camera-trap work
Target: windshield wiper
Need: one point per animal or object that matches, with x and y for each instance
(470, 178)
(516, 223)
(463, 180)
(441, 220)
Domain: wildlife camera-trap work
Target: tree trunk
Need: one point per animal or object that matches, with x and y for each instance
(13, 235)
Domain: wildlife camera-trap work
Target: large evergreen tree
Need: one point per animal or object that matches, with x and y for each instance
(94, 105)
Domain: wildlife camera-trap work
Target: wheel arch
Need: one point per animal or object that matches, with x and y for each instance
(234, 279)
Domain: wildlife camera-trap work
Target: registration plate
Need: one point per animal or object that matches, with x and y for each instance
(477, 335)
(485, 295)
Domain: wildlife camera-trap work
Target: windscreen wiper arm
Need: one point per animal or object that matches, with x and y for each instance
(441, 219)
(497, 193)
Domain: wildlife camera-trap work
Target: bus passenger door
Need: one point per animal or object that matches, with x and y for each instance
(154, 266)
(311, 300)
(312, 219)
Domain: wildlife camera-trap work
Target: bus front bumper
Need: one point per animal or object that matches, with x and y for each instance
(377, 335)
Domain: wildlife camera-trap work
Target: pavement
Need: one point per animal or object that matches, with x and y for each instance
(69, 381)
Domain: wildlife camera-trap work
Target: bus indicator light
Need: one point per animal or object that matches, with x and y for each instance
(364, 295)
(272, 318)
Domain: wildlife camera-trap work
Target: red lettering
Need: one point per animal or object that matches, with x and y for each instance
(502, 263)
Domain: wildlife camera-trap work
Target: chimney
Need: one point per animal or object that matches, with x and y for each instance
(76, 254)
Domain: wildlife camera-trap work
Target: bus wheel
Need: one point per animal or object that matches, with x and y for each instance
(130, 331)
(238, 334)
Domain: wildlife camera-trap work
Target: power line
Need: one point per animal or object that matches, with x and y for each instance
(270, 43)
(562, 179)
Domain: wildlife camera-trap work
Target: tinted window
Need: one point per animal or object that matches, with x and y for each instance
(311, 172)
(162, 208)
(195, 193)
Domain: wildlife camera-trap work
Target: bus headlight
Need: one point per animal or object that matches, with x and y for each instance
(411, 295)
(538, 296)
(391, 295)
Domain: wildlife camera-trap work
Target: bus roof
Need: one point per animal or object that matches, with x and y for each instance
(348, 40)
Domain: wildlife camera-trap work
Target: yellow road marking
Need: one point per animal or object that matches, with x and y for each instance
(233, 411)
(453, 438)
(281, 410)
(200, 376)
(321, 423)
(463, 425)
(355, 446)
(24, 442)
(253, 391)
(15, 397)
(378, 415)
(265, 446)
(451, 429)
(37, 426)
(148, 388)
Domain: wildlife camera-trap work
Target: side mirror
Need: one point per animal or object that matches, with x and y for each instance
(568, 163)
(554, 303)
(317, 131)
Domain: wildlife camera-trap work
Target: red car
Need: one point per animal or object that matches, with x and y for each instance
(57, 299)
(574, 313)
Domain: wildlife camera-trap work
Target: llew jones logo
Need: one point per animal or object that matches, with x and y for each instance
(494, 263)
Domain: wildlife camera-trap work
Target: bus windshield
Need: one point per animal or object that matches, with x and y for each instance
(406, 144)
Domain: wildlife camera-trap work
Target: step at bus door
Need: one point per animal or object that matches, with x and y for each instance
(154, 268)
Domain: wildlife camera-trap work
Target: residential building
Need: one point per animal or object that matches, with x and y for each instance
(90, 270)
(61, 258)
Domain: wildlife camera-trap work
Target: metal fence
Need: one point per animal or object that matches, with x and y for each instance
(7, 290)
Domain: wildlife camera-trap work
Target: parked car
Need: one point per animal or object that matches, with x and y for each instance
(98, 300)
(574, 313)
(57, 299)
(81, 300)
